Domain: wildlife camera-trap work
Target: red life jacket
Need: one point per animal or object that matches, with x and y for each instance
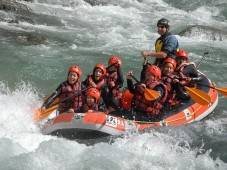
(144, 104)
(179, 72)
(112, 77)
(167, 80)
(99, 84)
(73, 102)
(94, 107)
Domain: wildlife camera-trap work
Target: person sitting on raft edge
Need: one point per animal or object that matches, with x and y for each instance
(165, 46)
(68, 88)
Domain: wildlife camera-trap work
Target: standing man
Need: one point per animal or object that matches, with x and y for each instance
(166, 45)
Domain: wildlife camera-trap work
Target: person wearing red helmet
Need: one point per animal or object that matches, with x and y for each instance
(170, 81)
(187, 75)
(98, 80)
(165, 46)
(98, 77)
(114, 80)
(186, 70)
(152, 80)
(92, 101)
(70, 87)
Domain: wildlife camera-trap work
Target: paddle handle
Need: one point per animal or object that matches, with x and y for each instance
(201, 59)
(111, 66)
(135, 79)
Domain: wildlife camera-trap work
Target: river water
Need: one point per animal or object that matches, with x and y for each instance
(38, 49)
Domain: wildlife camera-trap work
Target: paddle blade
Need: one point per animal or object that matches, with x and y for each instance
(151, 94)
(223, 91)
(40, 116)
(198, 96)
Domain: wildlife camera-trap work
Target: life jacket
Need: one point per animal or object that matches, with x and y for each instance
(159, 44)
(167, 80)
(112, 77)
(179, 72)
(94, 107)
(142, 103)
(98, 84)
(73, 102)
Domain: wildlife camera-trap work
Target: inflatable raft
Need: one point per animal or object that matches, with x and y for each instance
(93, 125)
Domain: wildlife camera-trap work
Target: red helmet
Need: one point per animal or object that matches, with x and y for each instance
(155, 70)
(172, 61)
(182, 53)
(115, 59)
(75, 69)
(102, 67)
(94, 93)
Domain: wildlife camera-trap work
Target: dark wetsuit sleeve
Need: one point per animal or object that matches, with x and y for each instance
(130, 85)
(120, 78)
(80, 110)
(143, 72)
(190, 71)
(84, 82)
(160, 90)
(82, 88)
(52, 97)
(102, 106)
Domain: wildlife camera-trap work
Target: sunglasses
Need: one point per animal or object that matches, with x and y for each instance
(161, 27)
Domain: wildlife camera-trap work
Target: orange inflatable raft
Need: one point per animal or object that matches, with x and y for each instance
(94, 125)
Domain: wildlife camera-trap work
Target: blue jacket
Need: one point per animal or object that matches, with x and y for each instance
(168, 44)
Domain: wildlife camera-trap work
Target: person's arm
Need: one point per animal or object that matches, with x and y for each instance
(160, 90)
(143, 72)
(190, 71)
(85, 82)
(120, 78)
(52, 97)
(80, 110)
(130, 85)
(102, 106)
(170, 45)
(160, 54)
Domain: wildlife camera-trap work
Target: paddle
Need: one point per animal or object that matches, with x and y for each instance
(223, 90)
(40, 115)
(148, 93)
(198, 96)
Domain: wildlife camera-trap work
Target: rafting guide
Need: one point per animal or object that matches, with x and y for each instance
(166, 45)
